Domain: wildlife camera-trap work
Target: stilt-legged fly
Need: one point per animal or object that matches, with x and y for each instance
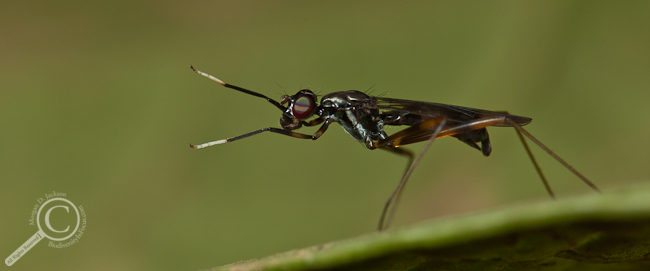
(363, 117)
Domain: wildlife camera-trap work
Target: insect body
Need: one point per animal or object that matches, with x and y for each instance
(364, 117)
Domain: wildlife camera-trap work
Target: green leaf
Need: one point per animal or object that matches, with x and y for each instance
(595, 232)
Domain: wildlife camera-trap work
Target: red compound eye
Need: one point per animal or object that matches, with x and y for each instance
(304, 105)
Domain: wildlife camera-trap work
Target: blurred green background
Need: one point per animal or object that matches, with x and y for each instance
(97, 101)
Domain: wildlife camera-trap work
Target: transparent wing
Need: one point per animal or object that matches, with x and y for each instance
(454, 113)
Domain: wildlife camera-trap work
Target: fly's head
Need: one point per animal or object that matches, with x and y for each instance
(301, 106)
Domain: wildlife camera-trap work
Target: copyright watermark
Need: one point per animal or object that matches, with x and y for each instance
(57, 219)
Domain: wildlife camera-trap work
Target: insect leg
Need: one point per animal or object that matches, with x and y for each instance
(409, 155)
(416, 133)
(551, 153)
(398, 191)
(539, 170)
(313, 122)
(396, 139)
(315, 136)
(400, 151)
